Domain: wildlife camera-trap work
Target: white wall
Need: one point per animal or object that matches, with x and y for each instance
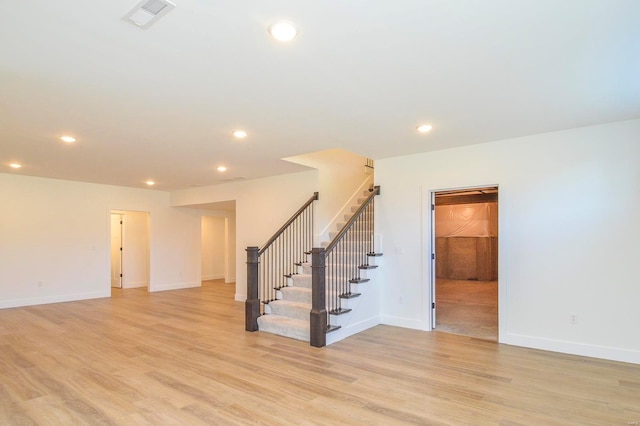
(568, 233)
(55, 239)
(340, 183)
(213, 247)
(230, 248)
(262, 206)
(116, 253)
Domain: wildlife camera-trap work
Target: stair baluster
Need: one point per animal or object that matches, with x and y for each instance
(335, 268)
(269, 266)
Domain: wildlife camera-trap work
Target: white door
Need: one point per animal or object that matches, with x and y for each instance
(116, 250)
(433, 260)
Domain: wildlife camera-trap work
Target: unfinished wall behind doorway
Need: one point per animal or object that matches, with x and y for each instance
(467, 241)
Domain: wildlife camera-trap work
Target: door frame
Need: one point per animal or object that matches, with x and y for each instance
(121, 215)
(124, 241)
(428, 264)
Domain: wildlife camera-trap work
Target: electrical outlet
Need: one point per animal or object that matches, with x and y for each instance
(573, 319)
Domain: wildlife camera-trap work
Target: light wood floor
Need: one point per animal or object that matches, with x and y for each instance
(183, 358)
(469, 308)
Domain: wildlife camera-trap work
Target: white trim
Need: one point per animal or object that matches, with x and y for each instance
(240, 297)
(339, 216)
(176, 286)
(574, 348)
(352, 329)
(212, 277)
(403, 322)
(16, 303)
(137, 284)
(425, 251)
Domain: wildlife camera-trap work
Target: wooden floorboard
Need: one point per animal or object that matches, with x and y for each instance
(183, 358)
(468, 308)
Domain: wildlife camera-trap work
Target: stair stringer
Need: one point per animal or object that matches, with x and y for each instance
(365, 311)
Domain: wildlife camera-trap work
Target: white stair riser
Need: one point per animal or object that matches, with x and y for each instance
(340, 225)
(357, 235)
(306, 271)
(340, 320)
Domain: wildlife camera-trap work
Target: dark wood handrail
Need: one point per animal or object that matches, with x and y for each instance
(287, 223)
(354, 217)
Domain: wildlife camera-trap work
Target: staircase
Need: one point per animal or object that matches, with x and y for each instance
(347, 263)
(288, 315)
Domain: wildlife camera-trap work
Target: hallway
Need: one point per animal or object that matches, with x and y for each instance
(467, 308)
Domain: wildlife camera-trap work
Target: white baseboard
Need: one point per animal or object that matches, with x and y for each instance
(352, 329)
(212, 277)
(137, 284)
(15, 303)
(175, 286)
(402, 322)
(240, 297)
(574, 348)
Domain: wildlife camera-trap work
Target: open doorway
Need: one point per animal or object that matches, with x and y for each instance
(129, 250)
(218, 243)
(465, 268)
(213, 250)
(116, 250)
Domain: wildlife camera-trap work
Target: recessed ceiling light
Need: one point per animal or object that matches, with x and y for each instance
(283, 31)
(240, 134)
(68, 139)
(222, 169)
(424, 128)
(15, 165)
(150, 182)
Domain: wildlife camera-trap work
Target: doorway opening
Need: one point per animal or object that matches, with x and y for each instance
(218, 243)
(465, 265)
(130, 263)
(116, 250)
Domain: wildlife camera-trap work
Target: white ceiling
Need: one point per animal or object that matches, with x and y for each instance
(161, 103)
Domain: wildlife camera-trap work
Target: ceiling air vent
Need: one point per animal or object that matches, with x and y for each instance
(148, 11)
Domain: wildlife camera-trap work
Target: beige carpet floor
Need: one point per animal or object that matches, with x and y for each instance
(468, 308)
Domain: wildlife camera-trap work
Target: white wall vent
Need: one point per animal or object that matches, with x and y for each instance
(147, 12)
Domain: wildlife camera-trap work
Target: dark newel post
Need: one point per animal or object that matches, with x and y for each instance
(318, 316)
(252, 304)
